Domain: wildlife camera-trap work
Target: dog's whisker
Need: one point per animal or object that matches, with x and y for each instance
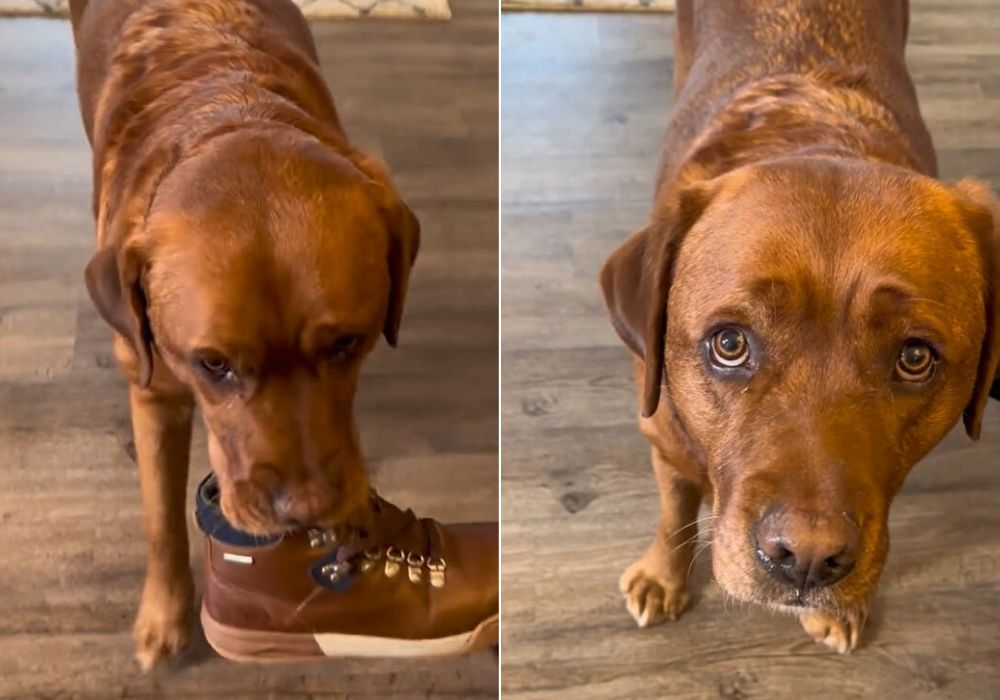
(694, 522)
(704, 547)
(707, 532)
(694, 537)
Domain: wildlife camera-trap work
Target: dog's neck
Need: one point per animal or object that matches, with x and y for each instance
(823, 112)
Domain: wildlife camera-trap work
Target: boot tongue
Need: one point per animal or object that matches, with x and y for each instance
(387, 525)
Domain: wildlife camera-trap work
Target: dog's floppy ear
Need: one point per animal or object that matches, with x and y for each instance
(114, 273)
(113, 280)
(403, 245)
(980, 212)
(404, 241)
(636, 281)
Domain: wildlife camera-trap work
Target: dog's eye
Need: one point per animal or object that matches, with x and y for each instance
(916, 362)
(217, 369)
(729, 348)
(343, 346)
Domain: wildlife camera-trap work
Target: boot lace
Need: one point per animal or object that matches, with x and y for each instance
(375, 544)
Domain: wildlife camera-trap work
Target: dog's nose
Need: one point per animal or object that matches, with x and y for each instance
(806, 550)
(283, 506)
(303, 504)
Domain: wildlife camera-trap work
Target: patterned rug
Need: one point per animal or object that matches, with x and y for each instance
(313, 9)
(588, 5)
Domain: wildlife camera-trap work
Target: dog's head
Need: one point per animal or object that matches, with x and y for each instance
(260, 271)
(816, 326)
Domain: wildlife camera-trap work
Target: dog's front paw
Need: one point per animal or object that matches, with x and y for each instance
(652, 593)
(162, 628)
(839, 632)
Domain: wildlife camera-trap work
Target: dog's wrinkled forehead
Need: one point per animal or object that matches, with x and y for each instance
(254, 258)
(825, 243)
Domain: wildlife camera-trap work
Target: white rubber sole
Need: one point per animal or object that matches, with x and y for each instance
(277, 647)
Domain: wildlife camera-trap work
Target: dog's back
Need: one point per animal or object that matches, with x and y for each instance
(158, 77)
(183, 26)
(723, 48)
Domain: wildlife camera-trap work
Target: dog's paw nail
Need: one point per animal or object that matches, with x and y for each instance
(677, 605)
(840, 634)
(146, 659)
(154, 648)
(651, 608)
(650, 599)
(160, 636)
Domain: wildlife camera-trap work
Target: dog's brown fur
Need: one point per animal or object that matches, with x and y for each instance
(235, 223)
(796, 200)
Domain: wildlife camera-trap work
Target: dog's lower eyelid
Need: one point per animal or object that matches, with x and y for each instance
(343, 347)
(216, 370)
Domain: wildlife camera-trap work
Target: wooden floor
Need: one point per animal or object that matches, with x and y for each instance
(421, 95)
(585, 101)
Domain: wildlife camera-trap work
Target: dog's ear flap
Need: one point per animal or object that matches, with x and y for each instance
(114, 273)
(980, 212)
(636, 281)
(404, 241)
(403, 245)
(113, 278)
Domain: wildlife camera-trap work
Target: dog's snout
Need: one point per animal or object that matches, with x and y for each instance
(296, 501)
(283, 506)
(806, 550)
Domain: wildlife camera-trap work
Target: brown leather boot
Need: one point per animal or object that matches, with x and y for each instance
(402, 586)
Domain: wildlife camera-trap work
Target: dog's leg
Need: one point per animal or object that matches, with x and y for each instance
(655, 587)
(161, 423)
(839, 631)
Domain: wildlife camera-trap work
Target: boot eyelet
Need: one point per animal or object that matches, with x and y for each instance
(437, 566)
(394, 559)
(415, 563)
(315, 538)
(371, 557)
(334, 571)
(320, 538)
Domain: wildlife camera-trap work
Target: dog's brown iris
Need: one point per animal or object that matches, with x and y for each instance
(730, 348)
(915, 362)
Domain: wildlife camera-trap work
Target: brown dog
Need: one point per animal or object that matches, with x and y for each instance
(249, 257)
(812, 310)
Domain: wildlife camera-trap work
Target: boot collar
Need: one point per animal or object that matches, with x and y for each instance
(209, 516)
